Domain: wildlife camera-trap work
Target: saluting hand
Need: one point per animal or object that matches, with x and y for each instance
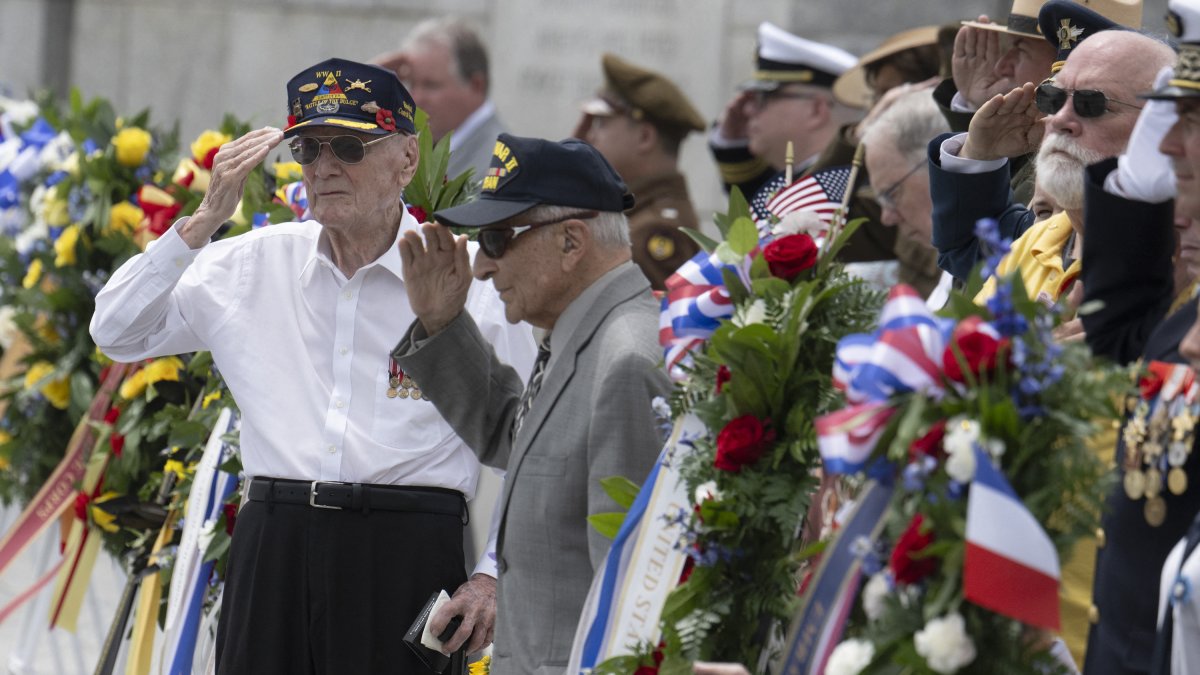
(976, 51)
(1009, 125)
(231, 166)
(437, 275)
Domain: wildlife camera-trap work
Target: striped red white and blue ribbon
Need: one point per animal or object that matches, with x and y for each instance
(904, 354)
(693, 306)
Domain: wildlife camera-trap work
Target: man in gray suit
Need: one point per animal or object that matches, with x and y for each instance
(445, 66)
(554, 241)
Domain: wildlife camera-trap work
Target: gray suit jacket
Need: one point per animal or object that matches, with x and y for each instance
(592, 419)
(475, 151)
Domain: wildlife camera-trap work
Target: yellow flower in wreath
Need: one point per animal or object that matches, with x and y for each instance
(57, 391)
(204, 148)
(132, 146)
(64, 247)
(33, 274)
(481, 667)
(103, 519)
(215, 396)
(161, 369)
(288, 172)
(54, 210)
(125, 217)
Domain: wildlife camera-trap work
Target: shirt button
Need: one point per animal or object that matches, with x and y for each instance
(179, 262)
(332, 449)
(340, 403)
(343, 351)
(348, 294)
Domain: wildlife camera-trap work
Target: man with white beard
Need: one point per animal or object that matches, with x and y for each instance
(1085, 113)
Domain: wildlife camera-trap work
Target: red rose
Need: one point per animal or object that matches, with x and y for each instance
(742, 442)
(651, 670)
(117, 443)
(788, 256)
(930, 444)
(230, 517)
(906, 568)
(385, 119)
(723, 376)
(111, 416)
(210, 158)
(81, 505)
(418, 213)
(979, 350)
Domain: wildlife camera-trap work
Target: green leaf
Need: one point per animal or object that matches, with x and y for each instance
(622, 490)
(186, 433)
(709, 245)
(607, 524)
(743, 236)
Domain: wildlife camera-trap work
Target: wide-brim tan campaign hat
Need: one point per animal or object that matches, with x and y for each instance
(1023, 19)
(851, 88)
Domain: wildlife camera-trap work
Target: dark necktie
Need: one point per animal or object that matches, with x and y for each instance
(532, 388)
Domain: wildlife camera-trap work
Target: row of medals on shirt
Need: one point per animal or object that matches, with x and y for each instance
(400, 385)
(1158, 439)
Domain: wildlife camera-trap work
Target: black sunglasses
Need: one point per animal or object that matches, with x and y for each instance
(347, 149)
(1088, 102)
(494, 241)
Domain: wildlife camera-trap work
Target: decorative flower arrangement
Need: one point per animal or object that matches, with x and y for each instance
(978, 425)
(753, 325)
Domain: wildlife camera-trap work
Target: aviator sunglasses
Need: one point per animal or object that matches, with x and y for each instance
(1088, 102)
(494, 241)
(347, 149)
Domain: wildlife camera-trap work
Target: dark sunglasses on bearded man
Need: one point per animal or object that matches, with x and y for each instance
(1089, 103)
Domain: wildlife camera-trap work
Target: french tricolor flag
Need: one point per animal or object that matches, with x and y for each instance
(1011, 566)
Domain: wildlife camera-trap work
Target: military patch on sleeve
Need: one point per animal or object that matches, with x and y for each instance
(660, 247)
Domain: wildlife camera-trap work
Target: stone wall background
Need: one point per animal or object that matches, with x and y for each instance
(193, 61)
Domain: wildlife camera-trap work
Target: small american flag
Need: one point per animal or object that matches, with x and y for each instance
(821, 192)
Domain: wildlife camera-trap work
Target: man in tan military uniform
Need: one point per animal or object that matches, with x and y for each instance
(638, 121)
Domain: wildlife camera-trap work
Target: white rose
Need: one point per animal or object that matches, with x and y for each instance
(961, 465)
(707, 491)
(945, 645)
(995, 448)
(874, 593)
(30, 236)
(961, 434)
(850, 657)
(55, 152)
(799, 221)
(9, 150)
(8, 327)
(748, 315)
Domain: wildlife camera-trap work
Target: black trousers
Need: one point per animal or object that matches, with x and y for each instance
(318, 591)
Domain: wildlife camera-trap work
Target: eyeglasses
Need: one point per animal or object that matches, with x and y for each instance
(887, 197)
(762, 97)
(347, 149)
(494, 241)
(1088, 102)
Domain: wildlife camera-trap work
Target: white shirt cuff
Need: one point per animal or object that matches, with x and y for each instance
(954, 164)
(959, 104)
(170, 254)
(717, 140)
(488, 563)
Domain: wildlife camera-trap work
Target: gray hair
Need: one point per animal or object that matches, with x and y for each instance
(610, 229)
(461, 38)
(908, 124)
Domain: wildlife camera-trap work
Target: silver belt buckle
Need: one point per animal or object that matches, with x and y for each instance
(312, 494)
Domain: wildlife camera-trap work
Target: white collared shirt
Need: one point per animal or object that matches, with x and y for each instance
(304, 351)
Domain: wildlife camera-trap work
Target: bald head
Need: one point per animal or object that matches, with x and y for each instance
(1127, 60)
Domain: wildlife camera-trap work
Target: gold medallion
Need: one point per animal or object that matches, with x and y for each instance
(1135, 484)
(1153, 482)
(394, 382)
(1152, 449)
(1177, 481)
(407, 382)
(1155, 511)
(391, 392)
(416, 394)
(403, 393)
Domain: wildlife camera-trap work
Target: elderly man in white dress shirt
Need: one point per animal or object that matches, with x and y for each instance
(356, 500)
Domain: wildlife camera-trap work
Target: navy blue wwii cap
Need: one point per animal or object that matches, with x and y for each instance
(349, 95)
(529, 172)
(1065, 24)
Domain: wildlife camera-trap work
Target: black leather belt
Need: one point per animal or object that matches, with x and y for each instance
(359, 496)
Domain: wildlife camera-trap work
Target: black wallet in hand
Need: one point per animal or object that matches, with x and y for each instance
(432, 658)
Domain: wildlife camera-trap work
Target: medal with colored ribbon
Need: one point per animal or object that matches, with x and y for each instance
(401, 385)
(1159, 437)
